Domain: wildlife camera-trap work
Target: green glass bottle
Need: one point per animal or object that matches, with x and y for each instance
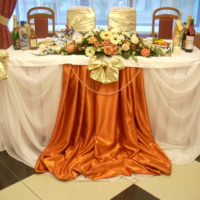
(184, 36)
(15, 34)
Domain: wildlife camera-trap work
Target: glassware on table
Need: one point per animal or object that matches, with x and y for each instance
(60, 35)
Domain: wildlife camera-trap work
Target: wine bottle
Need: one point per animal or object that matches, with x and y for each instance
(184, 36)
(190, 37)
(32, 37)
(177, 32)
(15, 34)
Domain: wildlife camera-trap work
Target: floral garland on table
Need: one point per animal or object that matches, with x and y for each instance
(3, 62)
(99, 44)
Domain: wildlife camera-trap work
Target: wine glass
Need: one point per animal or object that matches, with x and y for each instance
(60, 35)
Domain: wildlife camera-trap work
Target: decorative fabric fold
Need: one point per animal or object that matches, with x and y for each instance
(6, 11)
(3, 64)
(4, 20)
(81, 18)
(102, 136)
(105, 71)
(122, 18)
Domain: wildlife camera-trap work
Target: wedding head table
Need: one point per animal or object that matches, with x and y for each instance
(29, 107)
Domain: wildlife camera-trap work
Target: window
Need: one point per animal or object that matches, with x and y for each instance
(144, 9)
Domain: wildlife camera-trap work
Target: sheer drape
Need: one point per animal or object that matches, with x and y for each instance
(6, 9)
(144, 8)
(27, 121)
(30, 97)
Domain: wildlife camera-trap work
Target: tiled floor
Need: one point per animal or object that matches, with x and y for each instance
(18, 181)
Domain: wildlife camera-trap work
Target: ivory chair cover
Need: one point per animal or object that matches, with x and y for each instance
(81, 18)
(122, 18)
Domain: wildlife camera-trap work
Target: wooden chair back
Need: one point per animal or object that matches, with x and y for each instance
(41, 21)
(165, 22)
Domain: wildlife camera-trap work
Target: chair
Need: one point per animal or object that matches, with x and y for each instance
(165, 22)
(41, 21)
(122, 18)
(82, 18)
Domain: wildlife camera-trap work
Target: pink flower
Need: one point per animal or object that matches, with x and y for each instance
(70, 48)
(145, 52)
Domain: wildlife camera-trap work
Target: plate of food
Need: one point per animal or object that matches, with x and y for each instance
(161, 42)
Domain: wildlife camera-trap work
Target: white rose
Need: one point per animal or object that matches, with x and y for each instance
(122, 37)
(42, 47)
(98, 49)
(134, 39)
(58, 49)
(90, 51)
(127, 34)
(115, 39)
(105, 35)
(91, 33)
(86, 35)
(78, 40)
(147, 42)
(120, 50)
(125, 47)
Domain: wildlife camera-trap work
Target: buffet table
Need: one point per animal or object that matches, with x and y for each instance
(30, 98)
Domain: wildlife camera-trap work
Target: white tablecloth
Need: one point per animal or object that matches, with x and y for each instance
(30, 97)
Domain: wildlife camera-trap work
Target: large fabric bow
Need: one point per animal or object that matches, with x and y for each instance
(105, 71)
(3, 62)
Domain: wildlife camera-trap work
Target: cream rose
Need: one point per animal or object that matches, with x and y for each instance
(78, 40)
(125, 47)
(134, 39)
(115, 39)
(90, 51)
(58, 49)
(105, 35)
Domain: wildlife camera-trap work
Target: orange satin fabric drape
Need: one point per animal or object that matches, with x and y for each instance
(102, 136)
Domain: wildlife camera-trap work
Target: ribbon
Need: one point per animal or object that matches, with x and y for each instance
(122, 19)
(105, 71)
(3, 63)
(4, 20)
(81, 19)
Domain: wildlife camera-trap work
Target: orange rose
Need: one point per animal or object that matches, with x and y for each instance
(92, 40)
(145, 52)
(96, 44)
(115, 49)
(108, 50)
(105, 43)
(70, 48)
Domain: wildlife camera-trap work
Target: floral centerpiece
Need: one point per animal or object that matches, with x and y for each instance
(108, 43)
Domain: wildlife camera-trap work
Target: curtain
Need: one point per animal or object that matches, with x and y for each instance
(144, 9)
(6, 10)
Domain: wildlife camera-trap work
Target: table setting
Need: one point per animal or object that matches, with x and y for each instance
(67, 75)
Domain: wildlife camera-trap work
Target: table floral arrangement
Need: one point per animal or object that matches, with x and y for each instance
(107, 43)
(102, 44)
